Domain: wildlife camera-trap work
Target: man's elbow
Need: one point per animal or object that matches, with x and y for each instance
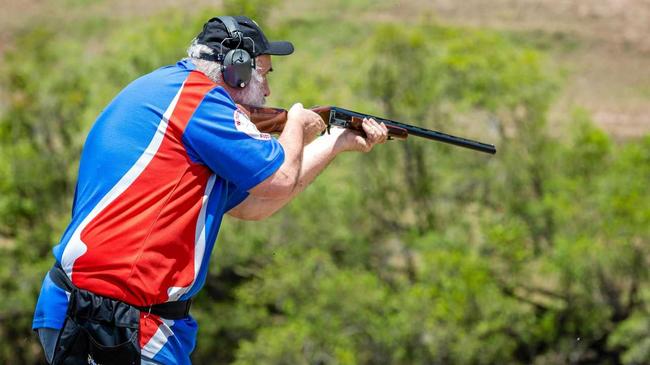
(277, 186)
(249, 214)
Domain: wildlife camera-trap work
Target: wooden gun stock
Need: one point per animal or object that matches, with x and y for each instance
(272, 120)
(266, 119)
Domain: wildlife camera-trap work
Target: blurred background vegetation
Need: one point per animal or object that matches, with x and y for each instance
(416, 253)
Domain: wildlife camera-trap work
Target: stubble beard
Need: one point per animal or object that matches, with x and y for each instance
(253, 93)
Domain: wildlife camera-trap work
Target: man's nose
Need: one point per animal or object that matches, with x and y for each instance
(267, 89)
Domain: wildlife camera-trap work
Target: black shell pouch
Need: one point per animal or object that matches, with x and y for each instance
(98, 331)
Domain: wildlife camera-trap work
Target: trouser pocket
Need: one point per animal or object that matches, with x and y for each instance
(98, 330)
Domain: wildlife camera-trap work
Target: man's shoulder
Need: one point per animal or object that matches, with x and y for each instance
(166, 75)
(162, 84)
(217, 99)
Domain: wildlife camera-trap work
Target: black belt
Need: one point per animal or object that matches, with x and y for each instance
(169, 310)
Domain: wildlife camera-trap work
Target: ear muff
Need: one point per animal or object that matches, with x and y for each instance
(237, 67)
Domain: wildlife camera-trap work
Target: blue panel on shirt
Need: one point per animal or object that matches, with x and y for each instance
(221, 137)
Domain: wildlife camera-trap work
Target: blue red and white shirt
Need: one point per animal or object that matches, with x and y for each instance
(161, 165)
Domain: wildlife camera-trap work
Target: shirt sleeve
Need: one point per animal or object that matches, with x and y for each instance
(235, 197)
(223, 138)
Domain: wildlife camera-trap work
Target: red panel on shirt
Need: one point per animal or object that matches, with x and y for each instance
(142, 243)
(149, 324)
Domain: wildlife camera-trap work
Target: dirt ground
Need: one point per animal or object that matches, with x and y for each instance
(608, 72)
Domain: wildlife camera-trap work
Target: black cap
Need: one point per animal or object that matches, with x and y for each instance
(215, 31)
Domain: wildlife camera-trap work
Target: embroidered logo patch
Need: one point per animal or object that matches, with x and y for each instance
(243, 124)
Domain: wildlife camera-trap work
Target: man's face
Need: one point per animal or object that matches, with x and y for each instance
(264, 66)
(257, 89)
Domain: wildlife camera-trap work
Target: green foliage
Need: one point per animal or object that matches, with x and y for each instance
(633, 335)
(416, 253)
(39, 136)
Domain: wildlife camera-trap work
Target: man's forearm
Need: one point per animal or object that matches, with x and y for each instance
(316, 156)
(292, 143)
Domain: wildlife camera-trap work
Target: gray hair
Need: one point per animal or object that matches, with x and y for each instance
(253, 94)
(211, 69)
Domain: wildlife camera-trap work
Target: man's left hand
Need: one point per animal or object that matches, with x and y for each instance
(352, 140)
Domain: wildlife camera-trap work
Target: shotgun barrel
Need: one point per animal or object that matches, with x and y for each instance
(347, 118)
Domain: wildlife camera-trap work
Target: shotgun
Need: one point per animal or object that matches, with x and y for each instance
(272, 120)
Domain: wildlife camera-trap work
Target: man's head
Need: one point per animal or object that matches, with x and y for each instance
(234, 52)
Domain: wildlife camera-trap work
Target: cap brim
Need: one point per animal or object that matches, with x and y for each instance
(279, 48)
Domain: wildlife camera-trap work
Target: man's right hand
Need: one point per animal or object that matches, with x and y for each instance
(312, 124)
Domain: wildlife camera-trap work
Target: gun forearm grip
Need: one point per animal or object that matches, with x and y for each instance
(394, 132)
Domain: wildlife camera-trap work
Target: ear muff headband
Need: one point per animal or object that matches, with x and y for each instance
(231, 25)
(237, 64)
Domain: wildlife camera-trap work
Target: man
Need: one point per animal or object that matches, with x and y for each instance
(161, 165)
